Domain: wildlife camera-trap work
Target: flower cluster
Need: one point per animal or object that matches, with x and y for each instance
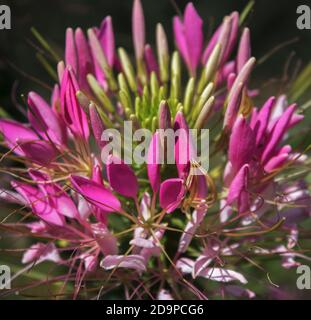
(156, 230)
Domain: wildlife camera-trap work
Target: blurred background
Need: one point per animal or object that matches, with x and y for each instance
(281, 48)
(273, 25)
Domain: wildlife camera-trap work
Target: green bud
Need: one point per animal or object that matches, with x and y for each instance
(128, 69)
(154, 84)
(210, 68)
(83, 100)
(100, 94)
(205, 113)
(138, 108)
(163, 53)
(202, 100)
(126, 101)
(175, 76)
(189, 93)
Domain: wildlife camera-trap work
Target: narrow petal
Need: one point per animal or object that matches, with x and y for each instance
(276, 162)
(278, 132)
(44, 119)
(152, 64)
(193, 25)
(72, 112)
(242, 144)
(244, 51)
(107, 41)
(85, 61)
(263, 120)
(184, 146)
(180, 39)
(164, 115)
(154, 162)
(97, 125)
(71, 51)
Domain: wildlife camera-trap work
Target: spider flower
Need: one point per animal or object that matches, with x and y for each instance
(156, 228)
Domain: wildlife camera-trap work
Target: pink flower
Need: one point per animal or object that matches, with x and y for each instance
(189, 37)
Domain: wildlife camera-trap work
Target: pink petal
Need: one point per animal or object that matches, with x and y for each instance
(97, 126)
(41, 252)
(190, 229)
(154, 162)
(106, 38)
(151, 62)
(121, 177)
(276, 162)
(12, 197)
(244, 52)
(211, 44)
(242, 144)
(234, 31)
(72, 112)
(96, 194)
(164, 295)
(238, 185)
(44, 120)
(193, 25)
(55, 195)
(13, 131)
(40, 152)
(184, 146)
(164, 116)
(106, 241)
(278, 132)
(235, 95)
(85, 61)
(90, 262)
(180, 39)
(263, 119)
(171, 194)
(39, 203)
(135, 262)
(185, 265)
(70, 51)
(222, 275)
(138, 29)
(143, 243)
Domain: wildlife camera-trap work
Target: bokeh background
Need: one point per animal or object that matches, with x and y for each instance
(281, 48)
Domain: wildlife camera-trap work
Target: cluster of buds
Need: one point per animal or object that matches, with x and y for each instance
(155, 230)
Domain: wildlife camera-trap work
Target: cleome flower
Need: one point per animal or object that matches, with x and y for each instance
(156, 230)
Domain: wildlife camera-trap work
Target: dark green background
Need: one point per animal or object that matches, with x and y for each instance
(272, 23)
